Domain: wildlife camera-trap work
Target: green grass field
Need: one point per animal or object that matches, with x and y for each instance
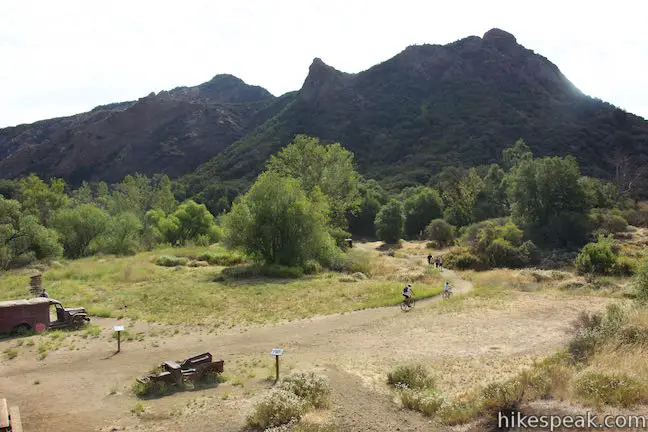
(190, 295)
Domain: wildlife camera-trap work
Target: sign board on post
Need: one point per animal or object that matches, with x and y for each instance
(118, 329)
(277, 352)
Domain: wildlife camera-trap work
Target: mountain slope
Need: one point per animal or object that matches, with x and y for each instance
(171, 132)
(432, 106)
(428, 107)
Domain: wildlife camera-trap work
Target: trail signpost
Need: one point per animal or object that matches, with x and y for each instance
(277, 352)
(119, 329)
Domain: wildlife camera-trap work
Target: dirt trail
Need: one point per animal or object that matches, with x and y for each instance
(87, 390)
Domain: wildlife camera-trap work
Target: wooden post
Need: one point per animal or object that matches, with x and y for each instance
(118, 329)
(277, 352)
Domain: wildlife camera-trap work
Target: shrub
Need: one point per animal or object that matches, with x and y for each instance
(440, 232)
(640, 282)
(223, 259)
(505, 398)
(311, 267)
(415, 377)
(275, 409)
(457, 413)
(309, 386)
(501, 253)
(171, 261)
(606, 221)
(462, 259)
(271, 271)
(625, 266)
(597, 258)
(425, 402)
(529, 253)
(638, 218)
(151, 388)
(612, 389)
(354, 261)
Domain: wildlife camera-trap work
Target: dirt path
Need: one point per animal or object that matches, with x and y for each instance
(87, 389)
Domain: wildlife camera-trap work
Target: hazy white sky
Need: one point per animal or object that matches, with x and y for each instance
(67, 56)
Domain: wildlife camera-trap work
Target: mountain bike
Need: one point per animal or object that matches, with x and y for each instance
(407, 307)
(447, 294)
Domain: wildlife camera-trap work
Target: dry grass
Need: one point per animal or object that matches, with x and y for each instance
(104, 285)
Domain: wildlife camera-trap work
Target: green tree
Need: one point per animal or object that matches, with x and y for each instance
(599, 193)
(491, 201)
(460, 191)
(276, 222)
(548, 200)
(134, 195)
(22, 238)
(420, 209)
(82, 195)
(78, 226)
(390, 221)
(361, 219)
(518, 152)
(163, 197)
(40, 199)
(328, 168)
(10, 189)
(192, 220)
(121, 236)
(440, 232)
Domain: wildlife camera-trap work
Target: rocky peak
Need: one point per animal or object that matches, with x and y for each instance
(500, 39)
(321, 79)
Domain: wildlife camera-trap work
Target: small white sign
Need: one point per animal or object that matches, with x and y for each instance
(119, 328)
(277, 351)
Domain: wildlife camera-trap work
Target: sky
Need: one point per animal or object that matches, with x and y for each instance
(63, 57)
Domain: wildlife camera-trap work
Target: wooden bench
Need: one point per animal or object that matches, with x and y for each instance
(4, 416)
(9, 418)
(14, 418)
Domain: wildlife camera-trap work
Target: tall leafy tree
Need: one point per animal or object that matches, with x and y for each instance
(276, 222)
(460, 191)
(421, 208)
(390, 221)
(121, 235)
(327, 168)
(361, 219)
(491, 201)
(78, 226)
(163, 197)
(517, 152)
(548, 200)
(40, 199)
(22, 238)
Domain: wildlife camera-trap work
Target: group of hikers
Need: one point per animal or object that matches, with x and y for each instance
(438, 263)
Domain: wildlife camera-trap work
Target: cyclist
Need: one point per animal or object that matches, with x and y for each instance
(407, 293)
(446, 288)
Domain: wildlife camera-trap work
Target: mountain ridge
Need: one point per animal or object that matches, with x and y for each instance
(427, 107)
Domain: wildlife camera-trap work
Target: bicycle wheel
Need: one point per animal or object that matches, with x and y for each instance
(403, 306)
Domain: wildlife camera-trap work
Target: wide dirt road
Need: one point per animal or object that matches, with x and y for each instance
(87, 389)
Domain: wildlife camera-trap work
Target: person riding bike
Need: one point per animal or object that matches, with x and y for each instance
(446, 288)
(407, 293)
